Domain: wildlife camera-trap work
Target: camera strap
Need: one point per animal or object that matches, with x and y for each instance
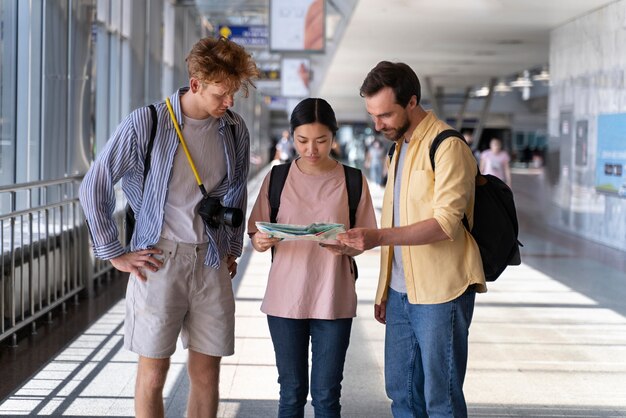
(182, 142)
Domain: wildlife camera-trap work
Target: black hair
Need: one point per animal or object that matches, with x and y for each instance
(399, 76)
(313, 110)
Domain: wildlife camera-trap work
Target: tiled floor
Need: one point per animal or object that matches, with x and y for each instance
(548, 340)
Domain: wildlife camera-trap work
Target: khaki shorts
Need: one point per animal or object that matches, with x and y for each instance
(184, 296)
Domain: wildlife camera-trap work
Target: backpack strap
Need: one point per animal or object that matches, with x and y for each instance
(278, 176)
(392, 149)
(442, 136)
(146, 164)
(354, 184)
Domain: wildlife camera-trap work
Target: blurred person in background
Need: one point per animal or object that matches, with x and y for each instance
(495, 161)
(375, 161)
(284, 148)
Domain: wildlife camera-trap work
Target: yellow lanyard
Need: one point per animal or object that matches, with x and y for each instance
(182, 142)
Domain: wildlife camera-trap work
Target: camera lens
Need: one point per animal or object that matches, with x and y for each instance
(214, 214)
(233, 217)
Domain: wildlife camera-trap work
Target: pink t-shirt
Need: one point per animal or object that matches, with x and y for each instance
(306, 280)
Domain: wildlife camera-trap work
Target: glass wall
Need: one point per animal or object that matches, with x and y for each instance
(70, 70)
(8, 87)
(45, 90)
(28, 115)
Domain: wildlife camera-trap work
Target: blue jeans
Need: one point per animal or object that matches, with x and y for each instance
(329, 343)
(426, 356)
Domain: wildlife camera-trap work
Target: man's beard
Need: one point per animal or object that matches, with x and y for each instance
(399, 132)
(402, 130)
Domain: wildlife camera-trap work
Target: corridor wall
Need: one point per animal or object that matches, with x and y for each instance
(587, 162)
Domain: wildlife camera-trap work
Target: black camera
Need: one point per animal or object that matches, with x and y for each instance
(214, 214)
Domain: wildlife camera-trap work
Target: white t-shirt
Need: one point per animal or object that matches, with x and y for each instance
(181, 221)
(398, 282)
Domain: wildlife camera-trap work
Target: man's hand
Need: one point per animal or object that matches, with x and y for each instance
(341, 249)
(232, 265)
(135, 261)
(360, 238)
(380, 312)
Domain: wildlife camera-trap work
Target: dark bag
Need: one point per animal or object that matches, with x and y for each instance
(129, 214)
(354, 186)
(495, 228)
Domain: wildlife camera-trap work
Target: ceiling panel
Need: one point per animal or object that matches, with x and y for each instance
(457, 43)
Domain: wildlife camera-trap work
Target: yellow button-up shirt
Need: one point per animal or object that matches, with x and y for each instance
(441, 271)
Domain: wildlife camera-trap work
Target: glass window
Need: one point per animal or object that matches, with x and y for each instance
(8, 91)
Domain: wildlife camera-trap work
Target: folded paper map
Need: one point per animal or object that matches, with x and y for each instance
(311, 232)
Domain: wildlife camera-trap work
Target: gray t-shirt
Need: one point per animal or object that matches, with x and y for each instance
(181, 221)
(398, 282)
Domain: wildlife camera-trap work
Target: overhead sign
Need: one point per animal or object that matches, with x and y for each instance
(295, 74)
(297, 25)
(245, 35)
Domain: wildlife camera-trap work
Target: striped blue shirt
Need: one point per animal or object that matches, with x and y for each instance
(123, 159)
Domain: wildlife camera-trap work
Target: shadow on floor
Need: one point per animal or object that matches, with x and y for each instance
(33, 351)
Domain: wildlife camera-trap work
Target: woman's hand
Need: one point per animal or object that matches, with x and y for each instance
(263, 242)
(341, 249)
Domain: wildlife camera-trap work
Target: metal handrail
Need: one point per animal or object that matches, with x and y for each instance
(41, 183)
(23, 212)
(46, 259)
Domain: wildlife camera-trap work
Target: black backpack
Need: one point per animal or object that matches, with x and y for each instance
(354, 186)
(495, 228)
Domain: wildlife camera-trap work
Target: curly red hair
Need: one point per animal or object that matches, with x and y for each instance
(219, 60)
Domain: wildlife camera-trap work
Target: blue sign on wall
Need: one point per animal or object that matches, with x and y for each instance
(245, 35)
(611, 154)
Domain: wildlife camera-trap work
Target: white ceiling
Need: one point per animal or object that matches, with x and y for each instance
(457, 43)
